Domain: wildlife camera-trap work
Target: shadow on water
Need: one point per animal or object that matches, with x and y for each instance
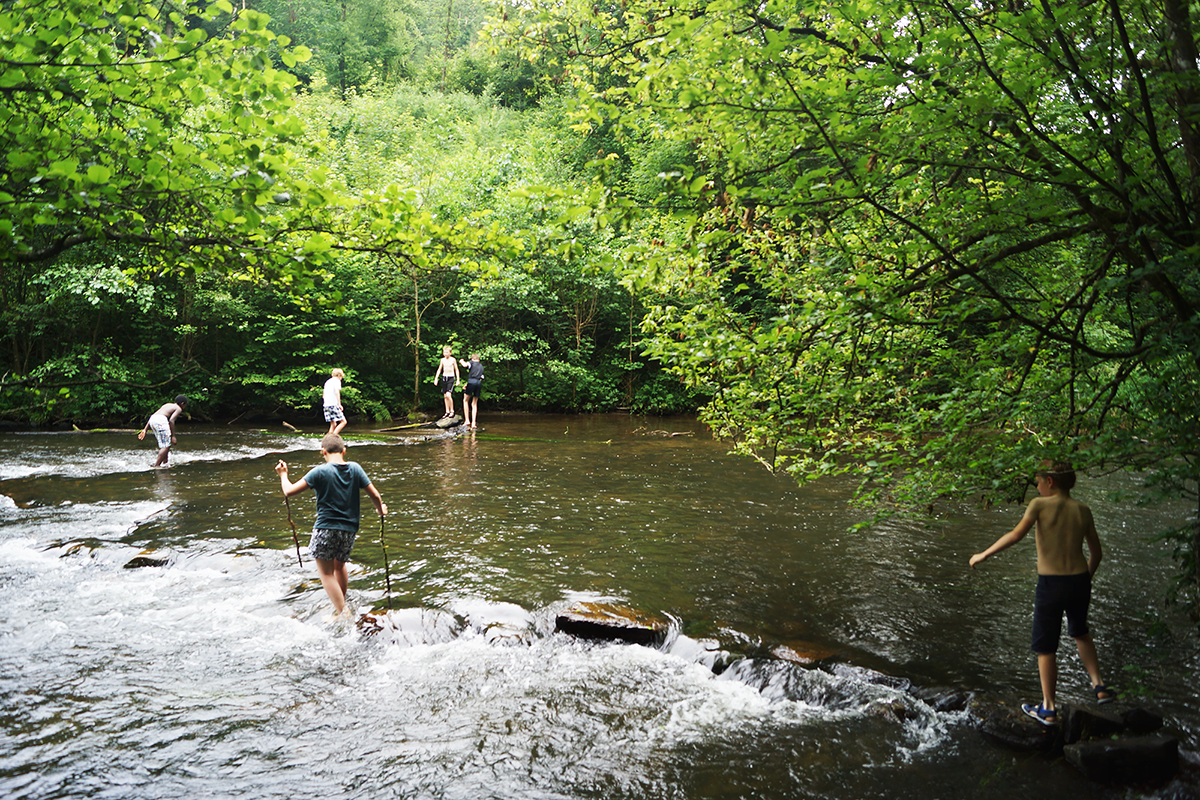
(158, 638)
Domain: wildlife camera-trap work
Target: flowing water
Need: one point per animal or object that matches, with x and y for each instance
(158, 638)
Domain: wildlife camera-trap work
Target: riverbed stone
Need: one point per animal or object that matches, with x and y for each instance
(137, 562)
(1141, 721)
(943, 699)
(1007, 726)
(1136, 760)
(799, 652)
(611, 622)
(411, 626)
(1080, 723)
(868, 675)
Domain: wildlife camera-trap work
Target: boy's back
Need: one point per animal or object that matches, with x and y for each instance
(1063, 524)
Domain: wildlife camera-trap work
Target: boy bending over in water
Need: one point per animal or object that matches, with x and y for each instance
(1064, 581)
(336, 483)
(162, 422)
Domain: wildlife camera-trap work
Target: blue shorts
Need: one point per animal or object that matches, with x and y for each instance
(334, 414)
(1057, 595)
(331, 545)
(162, 430)
(473, 388)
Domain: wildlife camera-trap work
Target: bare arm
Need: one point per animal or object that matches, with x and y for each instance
(1012, 537)
(289, 489)
(377, 499)
(1093, 542)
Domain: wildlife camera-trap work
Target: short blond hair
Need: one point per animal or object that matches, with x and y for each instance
(336, 372)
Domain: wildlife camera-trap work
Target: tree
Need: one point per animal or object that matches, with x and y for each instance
(124, 123)
(131, 130)
(925, 243)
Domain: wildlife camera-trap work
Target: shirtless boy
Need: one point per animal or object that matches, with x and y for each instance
(1064, 581)
(163, 424)
(446, 379)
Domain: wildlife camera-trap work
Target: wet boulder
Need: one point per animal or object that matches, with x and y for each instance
(1137, 760)
(138, 562)
(611, 622)
(1140, 721)
(1080, 723)
(1007, 726)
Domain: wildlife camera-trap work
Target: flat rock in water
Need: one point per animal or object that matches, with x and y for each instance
(1080, 723)
(1138, 760)
(1009, 727)
(611, 622)
(1140, 721)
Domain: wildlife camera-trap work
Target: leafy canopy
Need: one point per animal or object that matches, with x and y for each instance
(926, 243)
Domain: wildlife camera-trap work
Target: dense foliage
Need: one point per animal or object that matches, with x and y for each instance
(926, 243)
(177, 217)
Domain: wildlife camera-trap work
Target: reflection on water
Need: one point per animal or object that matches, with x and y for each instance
(217, 671)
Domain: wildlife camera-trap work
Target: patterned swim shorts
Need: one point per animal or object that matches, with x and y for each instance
(162, 430)
(334, 414)
(331, 545)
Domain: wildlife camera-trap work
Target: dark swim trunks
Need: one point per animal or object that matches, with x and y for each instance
(473, 388)
(1057, 595)
(446, 384)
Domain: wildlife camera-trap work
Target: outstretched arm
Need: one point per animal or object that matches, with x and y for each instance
(289, 489)
(1012, 537)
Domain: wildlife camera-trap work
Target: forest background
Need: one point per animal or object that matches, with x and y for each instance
(925, 243)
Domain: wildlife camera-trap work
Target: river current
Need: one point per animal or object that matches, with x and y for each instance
(158, 638)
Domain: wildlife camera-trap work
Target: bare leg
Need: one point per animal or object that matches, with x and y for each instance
(1091, 662)
(449, 403)
(333, 578)
(1048, 672)
(336, 427)
(163, 455)
(474, 411)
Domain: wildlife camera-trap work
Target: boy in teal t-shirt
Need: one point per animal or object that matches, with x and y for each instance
(336, 483)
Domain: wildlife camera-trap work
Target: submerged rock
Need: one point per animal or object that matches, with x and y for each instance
(806, 653)
(1137, 760)
(411, 626)
(610, 622)
(138, 562)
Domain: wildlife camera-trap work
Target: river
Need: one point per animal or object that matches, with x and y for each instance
(214, 668)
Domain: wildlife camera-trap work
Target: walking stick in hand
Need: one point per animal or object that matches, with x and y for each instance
(387, 573)
(295, 538)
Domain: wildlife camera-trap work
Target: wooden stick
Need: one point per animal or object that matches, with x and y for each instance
(387, 573)
(295, 538)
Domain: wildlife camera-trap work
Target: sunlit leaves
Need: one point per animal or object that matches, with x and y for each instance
(946, 238)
